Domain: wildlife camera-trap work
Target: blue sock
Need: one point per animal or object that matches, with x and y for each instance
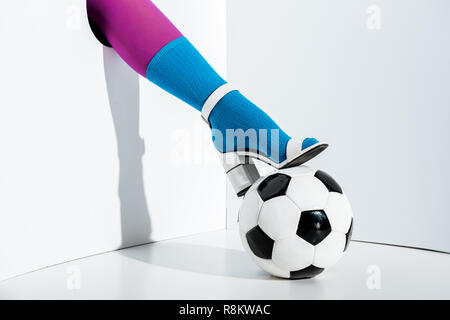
(180, 69)
(237, 112)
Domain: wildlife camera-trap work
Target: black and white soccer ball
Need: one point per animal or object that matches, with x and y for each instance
(295, 222)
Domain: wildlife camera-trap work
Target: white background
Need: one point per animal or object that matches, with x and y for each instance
(380, 97)
(75, 177)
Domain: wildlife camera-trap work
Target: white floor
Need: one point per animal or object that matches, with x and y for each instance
(214, 266)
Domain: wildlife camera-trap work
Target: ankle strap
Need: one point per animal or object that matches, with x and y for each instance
(214, 98)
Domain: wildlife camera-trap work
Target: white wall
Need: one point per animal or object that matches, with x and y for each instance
(380, 96)
(93, 158)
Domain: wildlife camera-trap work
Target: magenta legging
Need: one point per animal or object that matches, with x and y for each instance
(136, 29)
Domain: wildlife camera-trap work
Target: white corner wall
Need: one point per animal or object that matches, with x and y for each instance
(92, 157)
(379, 94)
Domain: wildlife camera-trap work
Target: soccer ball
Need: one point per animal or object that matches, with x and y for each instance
(295, 222)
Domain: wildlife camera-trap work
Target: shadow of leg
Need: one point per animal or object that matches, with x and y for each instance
(199, 259)
(123, 93)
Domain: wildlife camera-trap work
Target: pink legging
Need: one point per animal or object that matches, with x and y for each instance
(136, 29)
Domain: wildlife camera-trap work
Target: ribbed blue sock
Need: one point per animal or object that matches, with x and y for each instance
(237, 112)
(180, 69)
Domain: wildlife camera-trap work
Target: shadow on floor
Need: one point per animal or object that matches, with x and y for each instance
(199, 259)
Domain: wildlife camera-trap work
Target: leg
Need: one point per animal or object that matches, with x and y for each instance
(152, 46)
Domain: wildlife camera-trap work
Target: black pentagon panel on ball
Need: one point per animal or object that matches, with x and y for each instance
(313, 226)
(328, 181)
(348, 236)
(273, 186)
(260, 243)
(306, 273)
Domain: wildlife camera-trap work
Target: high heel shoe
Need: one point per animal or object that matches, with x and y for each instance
(238, 164)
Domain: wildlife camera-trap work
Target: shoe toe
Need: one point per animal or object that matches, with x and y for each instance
(308, 142)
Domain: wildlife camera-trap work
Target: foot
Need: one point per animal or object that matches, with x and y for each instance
(241, 127)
